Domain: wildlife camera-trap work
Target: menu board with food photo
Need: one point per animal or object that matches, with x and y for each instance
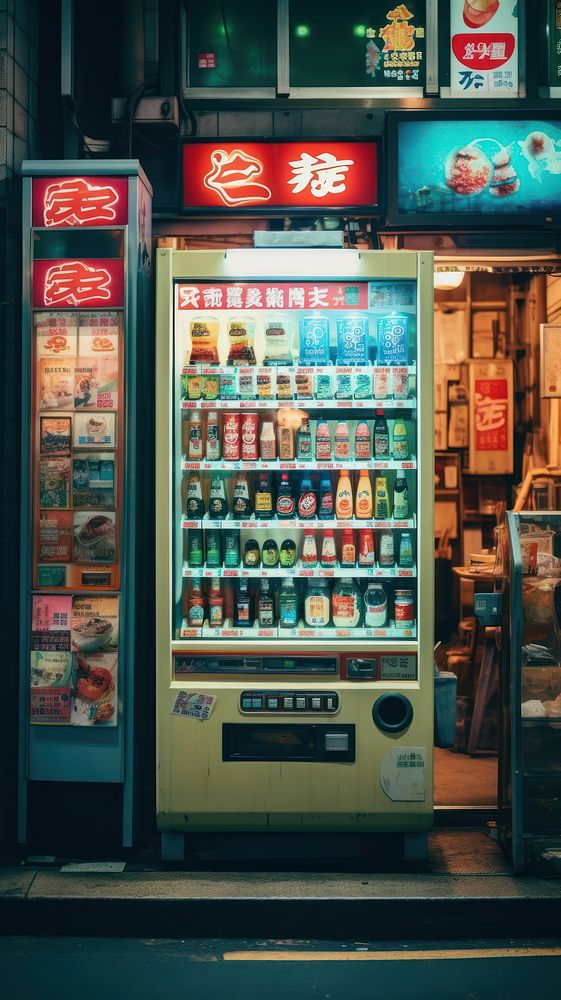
(56, 436)
(95, 624)
(54, 482)
(95, 537)
(93, 480)
(56, 383)
(94, 695)
(56, 334)
(55, 536)
(50, 687)
(94, 429)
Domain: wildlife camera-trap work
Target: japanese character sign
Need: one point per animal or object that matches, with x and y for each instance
(330, 295)
(75, 283)
(491, 417)
(484, 58)
(80, 202)
(284, 175)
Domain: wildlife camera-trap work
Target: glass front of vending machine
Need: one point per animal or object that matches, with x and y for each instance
(294, 535)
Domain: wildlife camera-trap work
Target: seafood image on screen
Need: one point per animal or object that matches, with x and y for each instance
(479, 167)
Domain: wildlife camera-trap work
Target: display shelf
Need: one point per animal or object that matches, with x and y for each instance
(409, 524)
(230, 631)
(303, 572)
(295, 369)
(298, 404)
(386, 465)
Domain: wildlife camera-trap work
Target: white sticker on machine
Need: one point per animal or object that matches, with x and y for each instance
(193, 705)
(402, 774)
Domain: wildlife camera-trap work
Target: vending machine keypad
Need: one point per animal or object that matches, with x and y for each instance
(326, 702)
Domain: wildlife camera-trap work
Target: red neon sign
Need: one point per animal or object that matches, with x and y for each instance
(304, 175)
(78, 283)
(79, 201)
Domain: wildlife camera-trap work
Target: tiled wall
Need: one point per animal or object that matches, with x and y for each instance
(19, 78)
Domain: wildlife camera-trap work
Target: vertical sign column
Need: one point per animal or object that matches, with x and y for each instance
(77, 440)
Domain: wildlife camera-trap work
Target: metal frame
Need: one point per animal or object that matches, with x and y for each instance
(515, 693)
(108, 753)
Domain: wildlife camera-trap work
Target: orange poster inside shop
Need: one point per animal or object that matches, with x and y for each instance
(491, 417)
(77, 441)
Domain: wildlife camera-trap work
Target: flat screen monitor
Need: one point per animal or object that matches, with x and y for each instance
(474, 170)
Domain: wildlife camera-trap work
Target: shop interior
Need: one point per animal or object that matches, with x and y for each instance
(489, 305)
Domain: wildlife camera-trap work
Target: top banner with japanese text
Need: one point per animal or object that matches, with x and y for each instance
(302, 175)
(484, 56)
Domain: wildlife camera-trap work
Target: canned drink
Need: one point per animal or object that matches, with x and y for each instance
(363, 386)
(249, 437)
(381, 388)
(404, 609)
(400, 378)
(231, 446)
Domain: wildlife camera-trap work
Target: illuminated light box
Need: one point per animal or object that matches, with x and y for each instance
(480, 170)
(263, 177)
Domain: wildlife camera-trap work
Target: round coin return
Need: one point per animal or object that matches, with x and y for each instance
(392, 713)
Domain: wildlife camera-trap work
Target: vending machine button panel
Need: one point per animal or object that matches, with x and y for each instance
(289, 701)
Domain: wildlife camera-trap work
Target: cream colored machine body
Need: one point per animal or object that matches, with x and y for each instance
(277, 724)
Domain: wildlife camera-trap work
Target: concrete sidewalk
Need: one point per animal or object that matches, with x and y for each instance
(465, 889)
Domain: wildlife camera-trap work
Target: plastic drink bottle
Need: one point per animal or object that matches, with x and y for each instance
(363, 446)
(215, 604)
(400, 442)
(342, 441)
(381, 436)
(304, 442)
(217, 503)
(195, 437)
(363, 500)
(344, 497)
(194, 503)
(323, 442)
(265, 606)
(242, 614)
(326, 500)
(212, 437)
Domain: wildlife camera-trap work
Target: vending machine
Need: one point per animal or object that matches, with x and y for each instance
(294, 534)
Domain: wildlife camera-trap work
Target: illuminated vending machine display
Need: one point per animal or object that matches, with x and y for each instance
(86, 274)
(294, 541)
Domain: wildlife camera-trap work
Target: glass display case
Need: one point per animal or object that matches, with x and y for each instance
(530, 779)
(295, 460)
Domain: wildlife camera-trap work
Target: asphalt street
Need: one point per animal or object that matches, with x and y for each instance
(200, 969)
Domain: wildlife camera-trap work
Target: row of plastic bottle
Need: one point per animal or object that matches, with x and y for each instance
(240, 438)
(224, 548)
(343, 605)
(305, 500)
